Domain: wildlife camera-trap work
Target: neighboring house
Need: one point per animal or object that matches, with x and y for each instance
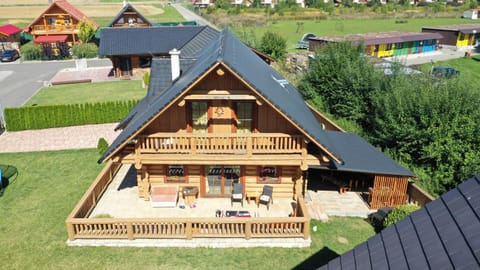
(462, 36)
(202, 3)
(129, 17)
(224, 116)
(58, 24)
(445, 234)
(122, 46)
(129, 56)
(270, 3)
(386, 44)
(10, 36)
(471, 14)
(300, 3)
(246, 3)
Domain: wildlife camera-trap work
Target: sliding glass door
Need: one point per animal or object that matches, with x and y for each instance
(219, 179)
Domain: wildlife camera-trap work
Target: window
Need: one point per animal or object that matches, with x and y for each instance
(244, 117)
(399, 46)
(389, 46)
(199, 117)
(176, 174)
(269, 175)
(461, 36)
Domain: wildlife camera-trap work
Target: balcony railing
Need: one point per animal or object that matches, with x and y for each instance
(56, 28)
(79, 226)
(231, 143)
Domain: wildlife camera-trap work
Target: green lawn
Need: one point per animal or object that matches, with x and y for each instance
(469, 68)
(88, 92)
(288, 28)
(33, 234)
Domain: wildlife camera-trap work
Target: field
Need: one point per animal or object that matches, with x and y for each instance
(21, 13)
(34, 208)
(292, 31)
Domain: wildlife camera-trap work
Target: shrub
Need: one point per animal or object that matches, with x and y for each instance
(146, 79)
(39, 117)
(399, 213)
(87, 50)
(31, 51)
(102, 145)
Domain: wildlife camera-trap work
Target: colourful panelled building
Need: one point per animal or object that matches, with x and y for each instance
(386, 44)
(462, 35)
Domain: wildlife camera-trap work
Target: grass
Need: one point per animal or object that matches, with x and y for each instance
(469, 67)
(88, 92)
(292, 32)
(33, 210)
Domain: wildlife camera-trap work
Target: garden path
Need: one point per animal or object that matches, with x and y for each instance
(77, 137)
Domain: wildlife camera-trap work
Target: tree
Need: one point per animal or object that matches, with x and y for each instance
(342, 76)
(86, 31)
(432, 124)
(273, 44)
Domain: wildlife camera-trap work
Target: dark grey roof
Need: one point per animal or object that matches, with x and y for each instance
(354, 149)
(380, 37)
(152, 41)
(445, 234)
(128, 7)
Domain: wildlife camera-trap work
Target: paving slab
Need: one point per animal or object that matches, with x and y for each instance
(77, 137)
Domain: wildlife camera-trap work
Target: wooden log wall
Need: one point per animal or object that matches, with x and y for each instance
(285, 189)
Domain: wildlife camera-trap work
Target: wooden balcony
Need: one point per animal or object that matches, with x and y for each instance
(79, 226)
(246, 144)
(57, 29)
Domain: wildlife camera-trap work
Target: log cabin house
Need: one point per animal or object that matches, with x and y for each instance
(224, 116)
(386, 44)
(57, 27)
(129, 16)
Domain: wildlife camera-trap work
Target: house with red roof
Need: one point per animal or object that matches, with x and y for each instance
(9, 36)
(57, 26)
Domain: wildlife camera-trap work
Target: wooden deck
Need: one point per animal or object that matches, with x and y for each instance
(259, 225)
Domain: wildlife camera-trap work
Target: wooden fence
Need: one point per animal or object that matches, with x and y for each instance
(418, 196)
(79, 226)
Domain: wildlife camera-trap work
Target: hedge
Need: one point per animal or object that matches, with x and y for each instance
(39, 117)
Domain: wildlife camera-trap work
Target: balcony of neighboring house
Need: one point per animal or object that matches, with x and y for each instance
(56, 29)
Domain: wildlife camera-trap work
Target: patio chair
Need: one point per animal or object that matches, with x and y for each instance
(237, 194)
(266, 196)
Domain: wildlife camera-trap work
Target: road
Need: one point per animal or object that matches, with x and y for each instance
(20, 81)
(191, 16)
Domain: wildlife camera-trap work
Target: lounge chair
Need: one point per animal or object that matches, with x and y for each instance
(237, 194)
(164, 196)
(266, 196)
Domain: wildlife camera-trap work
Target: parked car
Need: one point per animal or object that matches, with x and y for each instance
(9, 55)
(445, 72)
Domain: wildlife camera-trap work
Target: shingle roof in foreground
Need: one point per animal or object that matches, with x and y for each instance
(445, 234)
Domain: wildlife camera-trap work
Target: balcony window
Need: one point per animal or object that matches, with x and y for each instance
(199, 117)
(176, 174)
(244, 117)
(269, 175)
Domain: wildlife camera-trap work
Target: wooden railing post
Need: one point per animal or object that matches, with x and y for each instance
(70, 230)
(188, 230)
(249, 145)
(248, 230)
(306, 229)
(130, 230)
(194, 146)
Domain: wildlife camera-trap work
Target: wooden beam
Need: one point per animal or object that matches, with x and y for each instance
(221, 97)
